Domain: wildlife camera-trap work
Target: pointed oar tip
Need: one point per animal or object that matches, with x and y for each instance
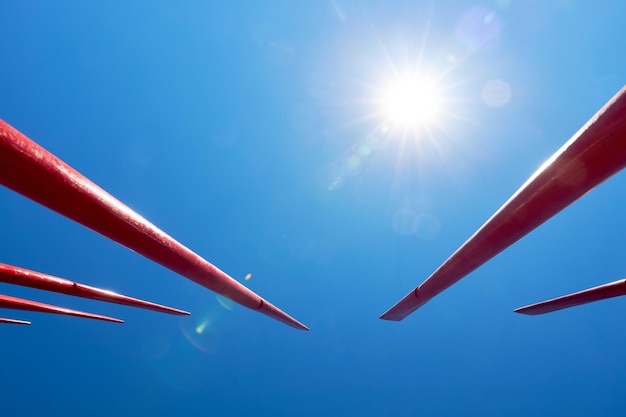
(94, 293)
(388, 315)
(274, 312)
(395, 314)
(134, 302)
(14, 321)
(290, 321)
(403, 308)
(85, 315)
(114, 320)
(162, 309)
(529, 310)
(95, 316)
(301, 326)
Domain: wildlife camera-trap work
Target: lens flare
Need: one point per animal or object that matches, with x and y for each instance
(225, 302)
(202, 327)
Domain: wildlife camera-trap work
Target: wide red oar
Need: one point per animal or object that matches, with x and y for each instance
(21, 304)
(13, 321)
(27, 278)
(29, 169)
(593, 154)
(601, 292)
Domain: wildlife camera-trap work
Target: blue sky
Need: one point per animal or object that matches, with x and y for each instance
(253, 134)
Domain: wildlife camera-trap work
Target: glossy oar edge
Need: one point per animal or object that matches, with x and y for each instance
(4, 320)
(20, 276)
(15, 303)
(590, 295)
(29, 169)
(593, 154)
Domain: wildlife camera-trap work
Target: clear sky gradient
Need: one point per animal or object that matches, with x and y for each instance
(253, 132)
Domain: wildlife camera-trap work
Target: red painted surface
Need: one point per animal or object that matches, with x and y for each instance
(601, 292)
(12, 321)
(593, 154)
(27, 278)
(32, 171)
(21, 304)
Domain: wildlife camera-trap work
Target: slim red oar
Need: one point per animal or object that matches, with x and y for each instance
(601, 292)
(27, 278)
(32, 171)
(593, 154)
(13, 321)
(14, 303)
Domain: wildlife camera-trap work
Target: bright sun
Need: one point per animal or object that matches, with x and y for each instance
(412, 102)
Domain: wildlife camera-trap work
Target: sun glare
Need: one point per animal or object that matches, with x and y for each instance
(412, 102)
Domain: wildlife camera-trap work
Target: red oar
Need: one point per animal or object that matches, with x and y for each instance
(27, 278)
(21, 304)
(29, 169)
(12, 321)
(593, 154)
(601, 292)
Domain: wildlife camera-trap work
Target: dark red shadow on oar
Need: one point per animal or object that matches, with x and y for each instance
(593, 154)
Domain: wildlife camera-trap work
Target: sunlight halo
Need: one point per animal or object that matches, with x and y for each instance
(411, 102)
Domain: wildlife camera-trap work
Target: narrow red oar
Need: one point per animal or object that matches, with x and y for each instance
(21, 304)
(593, 154)
(32, 171)
(601, 292)
(13, 321)
(27, 278)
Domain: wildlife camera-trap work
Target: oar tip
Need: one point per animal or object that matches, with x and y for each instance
(14, 321)
(527, 310)
(271, 310)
